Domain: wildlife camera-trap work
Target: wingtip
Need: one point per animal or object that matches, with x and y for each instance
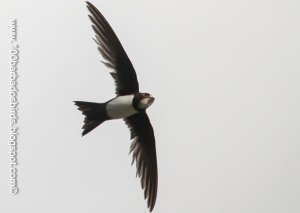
(88, 4)
(151, 206)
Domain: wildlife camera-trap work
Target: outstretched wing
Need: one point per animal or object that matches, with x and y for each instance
(144, 154)
(112, 51)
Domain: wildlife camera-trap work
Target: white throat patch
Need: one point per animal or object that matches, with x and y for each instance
(145, 103)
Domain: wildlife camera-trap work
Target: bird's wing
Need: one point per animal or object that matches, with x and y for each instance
(144, 154)
(112, 51)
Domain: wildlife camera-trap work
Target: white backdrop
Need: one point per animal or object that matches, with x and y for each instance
(225, 75)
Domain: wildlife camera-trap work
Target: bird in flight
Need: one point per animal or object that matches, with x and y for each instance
(129, 104)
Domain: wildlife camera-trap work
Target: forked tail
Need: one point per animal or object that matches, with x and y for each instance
(95, 114)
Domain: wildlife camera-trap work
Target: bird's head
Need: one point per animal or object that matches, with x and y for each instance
(143, 100)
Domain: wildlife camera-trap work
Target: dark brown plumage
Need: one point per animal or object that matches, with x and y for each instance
(143, 152)
(142, 135)
(112, 50)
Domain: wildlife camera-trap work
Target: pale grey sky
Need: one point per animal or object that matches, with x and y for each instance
(225, 75)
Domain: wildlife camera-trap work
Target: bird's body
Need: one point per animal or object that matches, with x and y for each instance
(129, 104)
(121, 107)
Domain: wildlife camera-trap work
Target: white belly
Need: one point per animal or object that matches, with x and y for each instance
(120, 107)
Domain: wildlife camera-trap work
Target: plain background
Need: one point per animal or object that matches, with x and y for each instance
(225, 75)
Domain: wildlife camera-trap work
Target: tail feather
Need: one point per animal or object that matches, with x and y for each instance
(94, 113)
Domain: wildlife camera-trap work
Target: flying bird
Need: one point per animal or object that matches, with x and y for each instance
(129, 104)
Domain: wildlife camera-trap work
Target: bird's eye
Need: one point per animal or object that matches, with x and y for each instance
(147, 94)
